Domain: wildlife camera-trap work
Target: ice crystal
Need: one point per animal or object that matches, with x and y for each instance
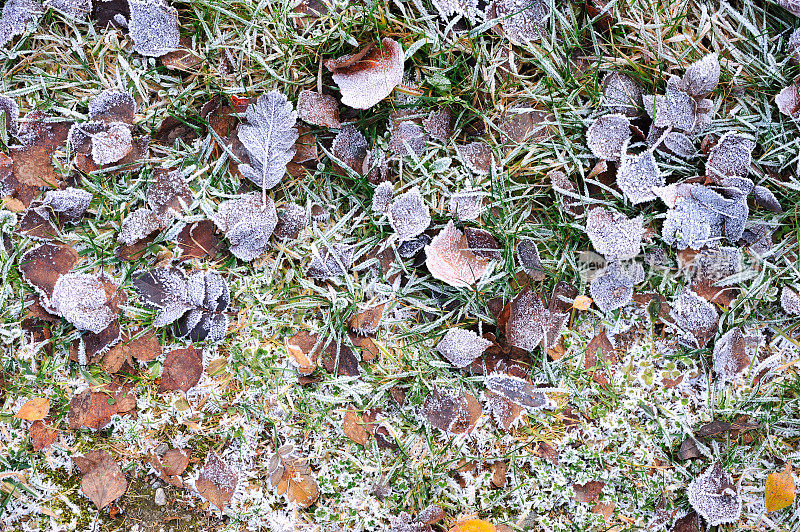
(450, 8)
(408, 215)
(112, 144)
(350, 147)
(607, 136)
(637, 175)
(679, 144)
(790, 301)
(248, 222)
(614, 235)
(407, 138)
(439, 124)
(16, 15)
(530, 323)
(461, 347)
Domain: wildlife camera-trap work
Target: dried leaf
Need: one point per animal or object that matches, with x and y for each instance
(779, 490)
(199, 240)
(34, 410)
(102, 480)
(145, 347)
(526, 322)
(217, 481)
(679, 144)
(788, 100)
(409, 215)
(82, 300)
(138, 225)
(614, 235)
(382, 197)
(467, 204)
(354, 427)
(765, 198)
(622, 94)
(366, 322)
(730, 355)
(731, 156)
(153, 26)
(450, 260)
(477, 156)
(451, 411)
(42, 435)
(292, 220)
(637, 175)
(318, 109)
(482, 243)
(715, 497)
(269, 138)
(301, 350)
(702, 77)
(339, 359)
(42, 266)
(612, 289)
(291, 475)
(350, 147)
(40, 139)
(461, 347)
(474, 525)
(94, 410)
(247, 221)
(184, 58)
(9, 108)
(608, 135)
(16, 15)
(330, 263)
(588, 492)
(790, 301)
(528, 256)
(439, 124)
(182, 370)
(370, 75)
(518, 391)
(169, 194)
(695, 316)
(522, 20)
(565, 190)
(407, 137)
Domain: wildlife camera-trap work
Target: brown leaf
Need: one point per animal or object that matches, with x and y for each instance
(450, 260)
(526, 322)
(184, 59)
(40, 139)
(289, 474)
(135, 251)
(606, 509)
(43, 265)
(168, 195)
(95, 409)
(546, 451)
(36, 222)
(688, 523)
(217, 481)
(300, 349)
(199, 240)
(689, 449)
(318, 109)
(305, 145)
(452, 411)
(354, 427)
(102, 479)
(339, 359)
(367, 322)
(588, 492)
(182, 370)
(42, 435)
(34, 410)
(171, 465)
(369, 350)
(144, 348)
(499, 470)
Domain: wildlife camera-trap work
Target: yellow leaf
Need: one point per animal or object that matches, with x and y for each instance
(34, 410)
(474, 525)
(582, 303)
(779, 492)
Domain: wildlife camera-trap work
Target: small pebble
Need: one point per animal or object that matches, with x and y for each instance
(161, 497)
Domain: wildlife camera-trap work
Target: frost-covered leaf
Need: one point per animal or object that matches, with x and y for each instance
(452, 8)
(369, 75)
(153, 26)
(695, 316)
(94, 409)
(439, 124)
(679, 144)
(518, 391)
(461, 347)
(730, 355)
(528, 255)
(522, 20)
(164, 289)
(451, 411)
(382, 197)
(731, 156)
(10, 112)
(477, 156)
(614, 235)
(318, 109)
(40, 138)
(466, 204)
(698, 216)
(407, 137)
(715, 497)
(111, 144)
(269, 137)
(607, 136)
(707, 268)
(76, 9)
(42, 266)
(112, 106)
(563, 187)
(482, 243)
(350, 147)
(248, 223)
(408, 215)
(702, 77)
(681, 108)
(292, 219)
(182, 370)
(410, 248)
(526, 322)
(82, 300)
(449, 259)
(138, 225)
(209, 296)
(790, 301)
(637, 175)
(290, 474)
(765, 198)
(612, 289)
(169, 194)
(16, 16)
(788, 100)
(330, 262)
(102, 480)
(622, 94)
(217, 481)
(70, 203)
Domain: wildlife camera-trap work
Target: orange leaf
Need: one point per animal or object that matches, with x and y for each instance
(582, 303)
(35, 409)
(779, 490)
(474, 525)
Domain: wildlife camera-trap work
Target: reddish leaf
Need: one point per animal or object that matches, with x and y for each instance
(217, 481)
(42, 435)
(588, 492)
(95, 409)
(43, 265)
(182, 370)
(290, 474)
(199, 240)
(451, 411)
(102, 479)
